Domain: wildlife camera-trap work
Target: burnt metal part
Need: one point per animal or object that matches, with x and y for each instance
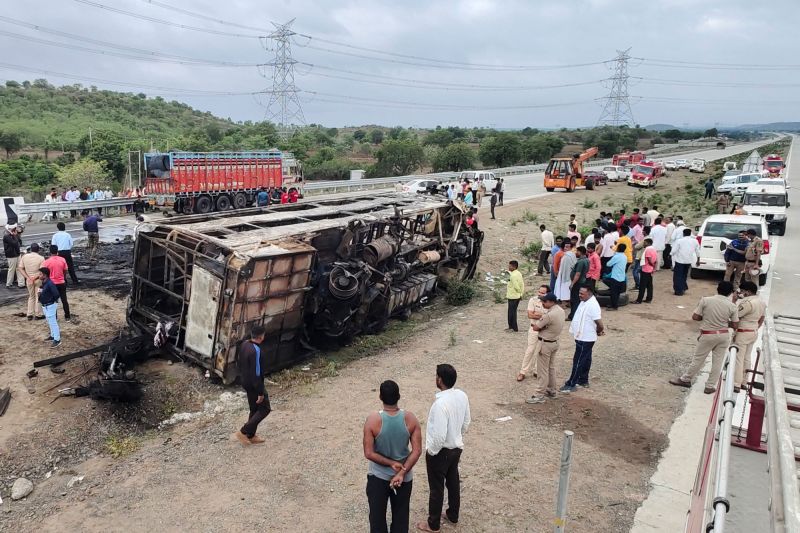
(309, 272)
(5, 399)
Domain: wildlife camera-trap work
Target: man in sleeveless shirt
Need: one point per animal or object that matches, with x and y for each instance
(252, 367)
(387, 434)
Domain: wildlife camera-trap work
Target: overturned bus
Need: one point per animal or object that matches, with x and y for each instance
(308, 272)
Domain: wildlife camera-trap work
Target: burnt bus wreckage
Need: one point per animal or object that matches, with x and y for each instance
(308, 272)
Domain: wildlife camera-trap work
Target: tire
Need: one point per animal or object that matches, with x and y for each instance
(223, 202)
(203, 205)
(550, 189)
(694, 273)
(762, 280)
(605, 300)
(590, 185)
(239, 200)
(782, 230)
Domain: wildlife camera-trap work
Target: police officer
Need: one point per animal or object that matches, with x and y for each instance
(751, 310)
(548, 329)
(752, 256)
(716, 314)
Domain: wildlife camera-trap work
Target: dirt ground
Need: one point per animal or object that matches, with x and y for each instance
(310, 474)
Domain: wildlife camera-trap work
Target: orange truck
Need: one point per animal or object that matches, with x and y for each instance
(567, 172)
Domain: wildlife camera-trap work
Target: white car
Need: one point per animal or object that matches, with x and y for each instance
(670, 165)
(717, 231)
(769, 202)
(419, 185)
(477, 176)
(698, 165)
(682, 163)
(738, 183)
(616, 173)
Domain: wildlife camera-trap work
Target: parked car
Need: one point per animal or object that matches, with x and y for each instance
(682, 163)
(717, 231)
(738, 183)
(420, 185)
(616, 173)
(729, 165)
(698, 165)
(670, 165)
(596, 177)
(769, 202)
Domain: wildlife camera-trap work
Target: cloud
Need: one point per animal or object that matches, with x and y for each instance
(720, 24)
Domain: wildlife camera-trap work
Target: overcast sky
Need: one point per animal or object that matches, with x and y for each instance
(537, 33)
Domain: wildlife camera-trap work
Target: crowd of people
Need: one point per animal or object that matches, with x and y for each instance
(277, 195)
(72, 195)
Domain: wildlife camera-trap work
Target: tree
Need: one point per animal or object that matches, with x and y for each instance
(397, 158)
(106, 147)
(500, 150)
(541, 148)
(456, 157)
(359, 135)
(439, 137)
(713, 132)
(673, 135)
(11, 142)
(85, 173)
(376, 136)
(398, 133)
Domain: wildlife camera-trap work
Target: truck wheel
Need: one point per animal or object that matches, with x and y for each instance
(203, 204)
(223, 202)
(186, 208)
(550, 189)
(239, 200)
(782, 229)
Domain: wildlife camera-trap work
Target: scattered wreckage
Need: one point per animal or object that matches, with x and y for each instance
(310, 273)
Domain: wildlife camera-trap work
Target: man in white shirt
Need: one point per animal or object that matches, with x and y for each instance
(653, 214)
(586, 326)
(609, 246)
(685, 252)
(659, 235)
(667, 222)
(448, 420)
(548, 240)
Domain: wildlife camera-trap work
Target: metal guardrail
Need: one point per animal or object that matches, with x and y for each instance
(48, 207)
(720, 504)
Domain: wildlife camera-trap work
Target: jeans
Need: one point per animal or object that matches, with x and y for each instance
(617, 287)
(258, 412)
(443, 471)
(679, 274)
(50, 315)
(544, 255)
(552, 280)
(512, 314)
(646, 286)
(637, 272)
(378, 493)
(581, 364)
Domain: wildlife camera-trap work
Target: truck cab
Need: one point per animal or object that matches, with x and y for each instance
(773, 164)
(769, 202)
(645, 174)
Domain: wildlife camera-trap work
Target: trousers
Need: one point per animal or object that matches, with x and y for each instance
(34, 307)
(12, 271)
(668, 256)
(617, 287)
(544, 266)
(733, 273)
(62, 292)
(545, 364)
(67, 255)
(744, 340)
(92, 243)
(581, 364)
(574, 298)
(50, 315)
(513, 304)
(637, 273)
(378, 494)
(680, 272)
(646, 286)
(748, 267)
(442, 471)
(529, 360)
(258, 412)
(717, 344)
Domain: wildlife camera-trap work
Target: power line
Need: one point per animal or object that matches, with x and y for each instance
(668, 63)
(617, 108)
(699, 83)
(284, 104)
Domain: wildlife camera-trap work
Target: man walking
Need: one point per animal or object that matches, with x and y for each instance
(685, 252)
(616, 277)
(735, 259)
(12, 246)
(252, 367)
(535, 312)
(48, 298)
(723, 203)
(716, 314)
(752, 257)
(92, 231)
(548, 328)
(387, 435)
(647, 265)
(586, 326)
(751, 310)
(548, 240)
(577, 279)
(57, 267)
(63, 241)
(709, 189)
(448, 420)
(492, 203)
(29, 265)
(515, 290)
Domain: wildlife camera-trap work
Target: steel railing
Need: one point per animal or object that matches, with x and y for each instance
(48, 207)
(720, 504)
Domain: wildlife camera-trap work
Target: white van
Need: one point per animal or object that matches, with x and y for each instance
(739, 183)
(717, 231)
(769, 202)
(488, 178)
(616, 173)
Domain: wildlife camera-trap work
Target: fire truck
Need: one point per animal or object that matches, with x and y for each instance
(628, 158)
(646, 174)
(567, 173)
(202, 182)
(773, 164)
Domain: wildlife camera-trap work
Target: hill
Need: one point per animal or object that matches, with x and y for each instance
(660, 127)
(772, 126)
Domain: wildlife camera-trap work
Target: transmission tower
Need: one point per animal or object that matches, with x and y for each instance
(617, 106)
(284, 107)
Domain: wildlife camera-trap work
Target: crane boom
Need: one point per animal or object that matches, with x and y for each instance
(587, 154)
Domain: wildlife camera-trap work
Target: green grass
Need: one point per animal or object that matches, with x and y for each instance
(460, 292)
(531, 250)
(117, 446)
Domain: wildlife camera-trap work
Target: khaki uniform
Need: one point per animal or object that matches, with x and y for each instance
(551, 323)
(751, 309)
(28, 266)
(723, 204)
(717, 311)
(751, 257)
(532, 351)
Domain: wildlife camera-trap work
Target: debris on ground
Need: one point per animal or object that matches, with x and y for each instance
(21, 488)
(228, 401)
(5, 399)
(74, 480)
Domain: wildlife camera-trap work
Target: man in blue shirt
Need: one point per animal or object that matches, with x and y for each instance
(262, 199)
(48, 297)
(616, 277)
(735, 259)
(63, 241)
(252, 369)
(93, 231)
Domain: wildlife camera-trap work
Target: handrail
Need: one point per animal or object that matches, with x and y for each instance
(785, 497)
(721, 505)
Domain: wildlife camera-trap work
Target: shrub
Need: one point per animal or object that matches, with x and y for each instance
(459, 292)
(531, 250)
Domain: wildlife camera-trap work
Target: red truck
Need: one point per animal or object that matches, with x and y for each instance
(201, 182)
(646, 174)
(773, 164)
(627, 158)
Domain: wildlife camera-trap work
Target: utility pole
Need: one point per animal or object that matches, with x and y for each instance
(284, 107)
(617, 106)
